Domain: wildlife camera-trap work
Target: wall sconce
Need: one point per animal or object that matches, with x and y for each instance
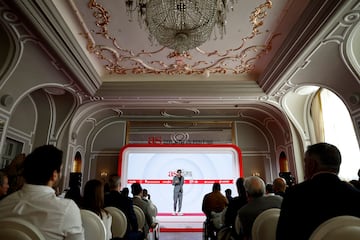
(257, 174)
(103, 174)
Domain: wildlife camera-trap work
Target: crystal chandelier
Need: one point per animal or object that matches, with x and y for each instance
(180, 25)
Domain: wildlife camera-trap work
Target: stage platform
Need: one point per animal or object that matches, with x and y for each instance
(188, 222)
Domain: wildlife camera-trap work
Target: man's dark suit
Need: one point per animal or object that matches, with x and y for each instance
(253, 208)
(125, 204)
(144, 205)
(308, 204)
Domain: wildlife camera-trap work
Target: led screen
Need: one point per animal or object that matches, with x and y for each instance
(154, 166)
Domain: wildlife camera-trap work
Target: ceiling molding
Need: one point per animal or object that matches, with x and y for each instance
(298, 42)
(49, 25)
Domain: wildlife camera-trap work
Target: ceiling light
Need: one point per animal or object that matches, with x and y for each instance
(180, 25)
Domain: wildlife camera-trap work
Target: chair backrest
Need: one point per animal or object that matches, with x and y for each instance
(340, 227)
(94, 228)
(140, 216)
(265, 224)
(19, 229)
(153, 210)
(119, 222)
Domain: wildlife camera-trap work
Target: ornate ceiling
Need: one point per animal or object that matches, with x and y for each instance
(122, 46)
(251, 66)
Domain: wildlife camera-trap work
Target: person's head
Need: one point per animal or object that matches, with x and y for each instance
(216, 187)
(125, 191)
(321, 157)
(145, 193)
(136, 189)
(93, 197)
(240, 187)
(42, 166)
(279, 185)
(254, 186)
(178, 172)
(228, 192)
(4, 184)
(269, 188)
(115, 182)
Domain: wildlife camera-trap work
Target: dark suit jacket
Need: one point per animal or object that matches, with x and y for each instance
(234, 205)
(144, 205)
(253, 208)
(308, 204)
(125, 204)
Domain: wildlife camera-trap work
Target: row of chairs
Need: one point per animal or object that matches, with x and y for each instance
(264, 227)
(340, 227)
(94, 228)
(18, 229)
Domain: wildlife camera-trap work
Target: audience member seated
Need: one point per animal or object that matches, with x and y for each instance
(121, 201)
(356, 183)
(125, 192)
(320, 197)
(152, 207)
(93, 200)
(74, 190)
(4, 184)
(36, 201)
(136, 191)
(228, 194)
(269, 189)
(213, 202)
(257, 203)
(236, 203)
(14, 171)
(279, 186)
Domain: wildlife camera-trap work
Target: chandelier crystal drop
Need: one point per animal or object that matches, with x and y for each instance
(181, 25)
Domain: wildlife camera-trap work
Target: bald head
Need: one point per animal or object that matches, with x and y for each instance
(254, 186)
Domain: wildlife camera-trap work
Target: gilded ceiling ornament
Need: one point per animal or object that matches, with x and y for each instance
(118, 59)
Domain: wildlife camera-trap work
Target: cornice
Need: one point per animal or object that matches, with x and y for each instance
(49, 25)
(301, 40)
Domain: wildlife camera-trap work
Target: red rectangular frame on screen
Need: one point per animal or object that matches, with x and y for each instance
(168, 147)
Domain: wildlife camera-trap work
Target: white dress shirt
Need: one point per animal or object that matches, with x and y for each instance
(55, 217)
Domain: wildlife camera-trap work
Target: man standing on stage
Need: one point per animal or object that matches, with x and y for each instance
(178, 182)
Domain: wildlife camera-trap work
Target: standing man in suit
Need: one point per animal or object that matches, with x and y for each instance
(178, 182)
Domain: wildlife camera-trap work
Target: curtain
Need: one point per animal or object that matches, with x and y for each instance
(317, 117)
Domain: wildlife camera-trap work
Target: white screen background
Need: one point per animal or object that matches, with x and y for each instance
(204, 164)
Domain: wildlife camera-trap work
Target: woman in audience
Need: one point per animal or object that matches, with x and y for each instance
(14, 172)
(93, 200)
